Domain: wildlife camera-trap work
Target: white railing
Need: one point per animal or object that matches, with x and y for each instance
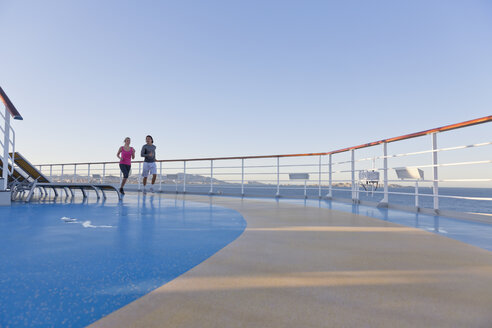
(7, 146)
(335, 174)
(7, 141)
(7, 131)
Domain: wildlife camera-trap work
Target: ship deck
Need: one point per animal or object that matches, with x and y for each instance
(297, 266)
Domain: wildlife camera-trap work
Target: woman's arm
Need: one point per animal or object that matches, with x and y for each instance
(118, 153)
(133, 153)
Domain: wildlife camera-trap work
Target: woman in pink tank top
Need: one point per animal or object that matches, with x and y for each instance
(125, 154)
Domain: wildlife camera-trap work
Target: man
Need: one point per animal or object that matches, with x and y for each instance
(149, 167)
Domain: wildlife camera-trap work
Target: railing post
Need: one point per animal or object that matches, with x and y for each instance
(242, 176)
(211, 177)
(160, 176)
(104, 173)
(51, 177)
(184, 177)
(330, 187)
(319, 178)
(139, 174)
(6, 139)
(435, 172)
(384, 201)
(74, 173)
(278, 177)
(417, 194)
(352, 169)
(88, 173)
(61, 177)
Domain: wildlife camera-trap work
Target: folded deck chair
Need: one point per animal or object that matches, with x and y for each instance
(14, 176)
(17, 182)
(41, 181)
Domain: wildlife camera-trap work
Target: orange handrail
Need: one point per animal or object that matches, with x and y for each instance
(8, 104)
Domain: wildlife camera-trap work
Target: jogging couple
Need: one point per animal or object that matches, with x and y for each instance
(127, 153)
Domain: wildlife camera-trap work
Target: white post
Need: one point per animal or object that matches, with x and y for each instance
(74, 172)
(139, 174)
(384, 201)
(435, 172)
(417, 194)
(319, 178)
(352, 168)
(184, 177)
(305, 193)
(160, 176)
(278, 177)
(61, 178)
(88, 173)
(6, 137)
(51, 178)
(242, 177)
(104, 173)
(330, 187)
(211, 177)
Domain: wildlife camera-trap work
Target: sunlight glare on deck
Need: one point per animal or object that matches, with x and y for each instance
(322, 279)
(339, 229)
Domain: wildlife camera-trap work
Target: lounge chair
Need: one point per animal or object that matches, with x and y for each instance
(40, 181)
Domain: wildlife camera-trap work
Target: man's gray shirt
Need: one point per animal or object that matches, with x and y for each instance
(146, 150)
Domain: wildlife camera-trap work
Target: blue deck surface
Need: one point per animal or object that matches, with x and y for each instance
(70, 272)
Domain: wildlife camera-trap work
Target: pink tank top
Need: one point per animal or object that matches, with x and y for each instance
(126, 156)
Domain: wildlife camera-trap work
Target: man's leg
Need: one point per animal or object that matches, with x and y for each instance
(153, 171)
(145, 173)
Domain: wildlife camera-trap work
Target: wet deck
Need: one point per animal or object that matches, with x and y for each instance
(297, 266)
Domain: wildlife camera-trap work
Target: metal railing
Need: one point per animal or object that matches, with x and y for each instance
(333, 175)
(7, 143)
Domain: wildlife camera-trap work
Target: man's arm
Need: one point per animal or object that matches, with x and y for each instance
(143, 152)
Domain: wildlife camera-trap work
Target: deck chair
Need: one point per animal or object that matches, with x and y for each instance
(17, 182)
(13, 178)
(16, 176)
(41, 181)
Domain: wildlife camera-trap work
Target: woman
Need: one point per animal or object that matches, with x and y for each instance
(125, 154)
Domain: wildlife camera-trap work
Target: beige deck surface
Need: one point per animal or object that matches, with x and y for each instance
(297, 266)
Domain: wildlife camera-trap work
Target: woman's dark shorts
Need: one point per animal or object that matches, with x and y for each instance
(125, 169)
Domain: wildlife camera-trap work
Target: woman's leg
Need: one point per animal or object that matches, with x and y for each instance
(125, 169)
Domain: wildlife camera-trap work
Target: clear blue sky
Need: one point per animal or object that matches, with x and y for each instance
(227, 78)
